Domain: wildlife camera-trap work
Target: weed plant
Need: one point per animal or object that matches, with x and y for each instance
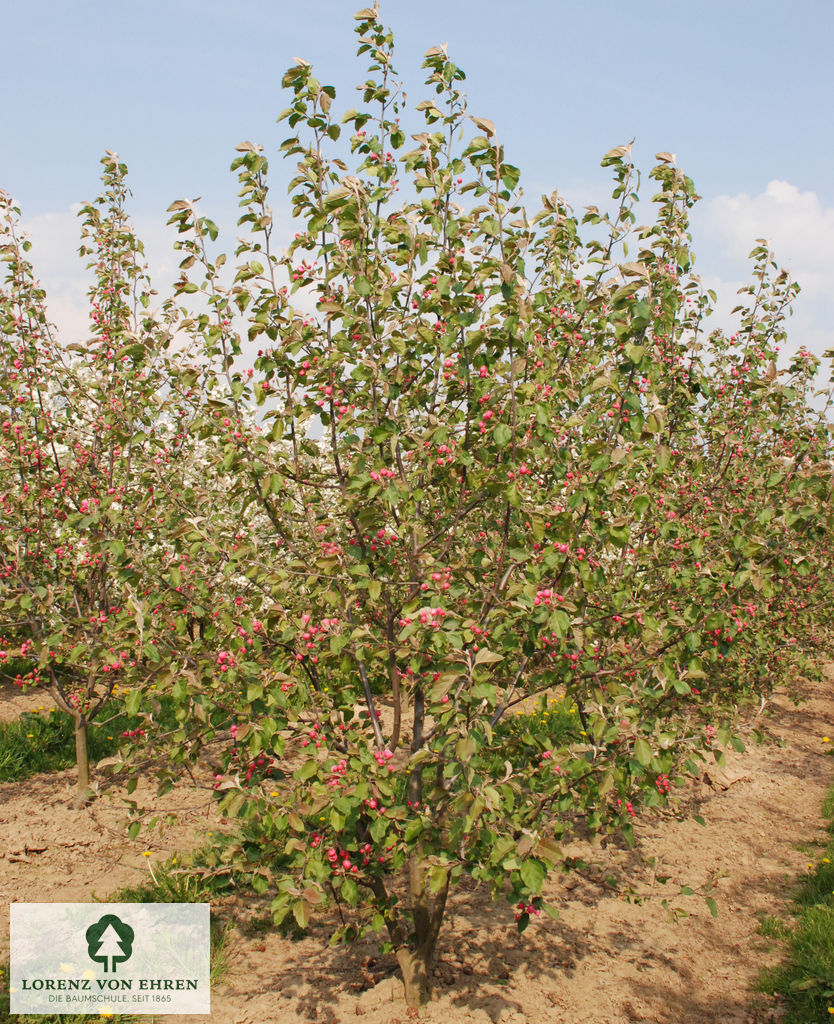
(805, 980)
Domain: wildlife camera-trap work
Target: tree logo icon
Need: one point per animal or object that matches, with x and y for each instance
(109, 940)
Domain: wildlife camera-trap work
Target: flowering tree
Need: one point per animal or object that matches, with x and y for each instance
(493, 461)
(81, 424)
(486, 460)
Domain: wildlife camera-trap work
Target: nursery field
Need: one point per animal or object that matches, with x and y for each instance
(607, 960)
(449, 596)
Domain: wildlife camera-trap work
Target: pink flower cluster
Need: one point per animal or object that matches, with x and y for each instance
(526, 908)
(383, 757)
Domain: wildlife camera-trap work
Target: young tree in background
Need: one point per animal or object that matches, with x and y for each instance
(82, 424)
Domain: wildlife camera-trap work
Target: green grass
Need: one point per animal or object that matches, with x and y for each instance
(523, 734)
(774, 928)
(6, 1017)
(552, 722)
(805, 979)
(44, 742)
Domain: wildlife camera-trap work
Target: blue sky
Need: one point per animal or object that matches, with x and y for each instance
(740, 91)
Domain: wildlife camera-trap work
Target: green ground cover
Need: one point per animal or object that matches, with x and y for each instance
(43, 741)
(805, 978)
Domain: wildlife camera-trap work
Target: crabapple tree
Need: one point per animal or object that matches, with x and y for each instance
(442, 459)
(81, 424)
(493, 458)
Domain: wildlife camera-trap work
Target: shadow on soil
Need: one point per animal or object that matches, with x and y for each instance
(480, 952)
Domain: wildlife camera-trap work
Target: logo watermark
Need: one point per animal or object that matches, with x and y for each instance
(113, 958)
(109, 939)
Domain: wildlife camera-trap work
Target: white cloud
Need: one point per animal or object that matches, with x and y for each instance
(796, 224)
(56, 237)
(799, 230)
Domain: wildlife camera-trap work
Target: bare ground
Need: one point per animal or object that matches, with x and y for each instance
(13, 701)
(607, 960)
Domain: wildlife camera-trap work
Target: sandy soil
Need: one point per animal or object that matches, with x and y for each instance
(605, 961)
(13, 702)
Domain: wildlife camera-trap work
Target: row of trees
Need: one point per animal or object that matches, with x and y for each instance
(348, 506)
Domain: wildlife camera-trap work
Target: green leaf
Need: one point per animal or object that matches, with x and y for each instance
(663, 454)
(350, 892)
(533, 874)
(549, 850)
(502, 435)
(643, 752)
(641, 504)
(301, 913)
(437, 878)
(559, 623)
(307, 770)
(413, 829)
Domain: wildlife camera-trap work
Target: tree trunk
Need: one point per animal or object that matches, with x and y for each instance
(416, 956)
(83, 794)
(416, 975)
